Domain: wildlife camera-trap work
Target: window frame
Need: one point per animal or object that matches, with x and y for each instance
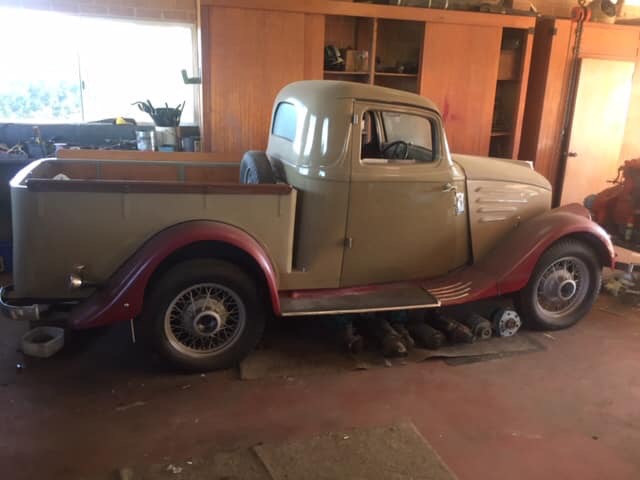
(192, 64)
(378, 110)
(275, 115)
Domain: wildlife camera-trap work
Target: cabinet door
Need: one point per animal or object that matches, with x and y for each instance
(459, 73)
(248, 56)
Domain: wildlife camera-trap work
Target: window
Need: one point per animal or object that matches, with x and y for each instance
(65, 68)
(397, 137)
(285, 121)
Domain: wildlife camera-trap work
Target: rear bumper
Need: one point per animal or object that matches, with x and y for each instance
(17, 312)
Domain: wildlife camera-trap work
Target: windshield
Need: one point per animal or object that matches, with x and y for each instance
(408, 128)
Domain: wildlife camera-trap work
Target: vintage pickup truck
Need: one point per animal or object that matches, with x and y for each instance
(357, 205)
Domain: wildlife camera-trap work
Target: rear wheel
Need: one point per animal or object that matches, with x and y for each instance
(562, 287)
(204, 315)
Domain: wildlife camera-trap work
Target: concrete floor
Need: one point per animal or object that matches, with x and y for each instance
(570, 412)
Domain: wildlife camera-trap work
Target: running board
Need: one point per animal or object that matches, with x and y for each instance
(372, 299)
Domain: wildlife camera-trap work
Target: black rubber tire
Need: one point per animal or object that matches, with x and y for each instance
(525, 300)
(256, 168)
(193, 272)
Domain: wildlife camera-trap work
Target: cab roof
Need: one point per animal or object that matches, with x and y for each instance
(333, 89)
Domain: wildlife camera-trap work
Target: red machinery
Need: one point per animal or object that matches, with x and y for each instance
(617, 209)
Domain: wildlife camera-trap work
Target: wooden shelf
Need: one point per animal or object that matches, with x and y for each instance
(340, 72)
(395, 74)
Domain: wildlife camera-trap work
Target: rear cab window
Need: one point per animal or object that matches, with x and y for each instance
(285, 121)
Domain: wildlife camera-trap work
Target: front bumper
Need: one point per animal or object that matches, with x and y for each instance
(16, 312)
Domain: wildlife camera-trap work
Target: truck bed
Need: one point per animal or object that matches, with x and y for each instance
(97, 213)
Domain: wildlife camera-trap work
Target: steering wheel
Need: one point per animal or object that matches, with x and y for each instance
(398, 149)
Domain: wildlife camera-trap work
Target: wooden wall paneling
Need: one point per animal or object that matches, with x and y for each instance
(314, 41)
(614, 42)
(546, 96)
(364, 34)
(459, 73)
(252, 55)
(399, 41)
(340, 31)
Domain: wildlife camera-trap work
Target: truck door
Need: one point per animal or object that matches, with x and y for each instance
(407, 214)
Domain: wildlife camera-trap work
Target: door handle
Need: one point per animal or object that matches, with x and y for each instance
(448, 187)
(572, 154)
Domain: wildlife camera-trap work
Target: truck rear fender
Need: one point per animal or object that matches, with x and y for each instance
(122, 298)
(513, 260)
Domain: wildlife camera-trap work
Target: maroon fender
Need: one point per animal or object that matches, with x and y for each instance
(513, 260)
(123, 295)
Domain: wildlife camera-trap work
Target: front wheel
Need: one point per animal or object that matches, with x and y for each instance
(203, 315)
(562, 288)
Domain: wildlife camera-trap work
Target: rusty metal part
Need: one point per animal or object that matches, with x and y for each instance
(385, 335)
(426, 336)
(405, 336)
(479, 326)
(506, 322)
(350, 339)
(455, 331)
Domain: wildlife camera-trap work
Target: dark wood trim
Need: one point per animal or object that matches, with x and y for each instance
(119, 186)
(231, 158)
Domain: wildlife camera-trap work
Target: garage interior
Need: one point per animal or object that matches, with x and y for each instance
(333, 390)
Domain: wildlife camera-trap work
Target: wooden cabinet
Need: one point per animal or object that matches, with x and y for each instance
(459, 75)
(468, 63)
(355, 34)
(392, 49)
(248, 56)
(398, 54)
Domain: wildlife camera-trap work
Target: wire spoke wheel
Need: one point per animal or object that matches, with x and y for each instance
(204, 319)
(562, 287)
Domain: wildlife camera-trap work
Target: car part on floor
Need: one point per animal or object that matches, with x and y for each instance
(479, 326)
(506, 322)
(405, 336)
(385, 335)
(350, 339)
(455, 331)
(426, 336)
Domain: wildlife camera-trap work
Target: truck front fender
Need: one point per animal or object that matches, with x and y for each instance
(122, 297)
(513, 260)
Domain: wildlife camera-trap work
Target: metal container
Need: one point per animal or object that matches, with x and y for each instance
(145, 140)
(167, 137)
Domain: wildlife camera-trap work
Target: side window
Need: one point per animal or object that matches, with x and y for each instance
(399, 138)
(285, 121)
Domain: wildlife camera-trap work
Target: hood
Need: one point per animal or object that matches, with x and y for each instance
(499, 169)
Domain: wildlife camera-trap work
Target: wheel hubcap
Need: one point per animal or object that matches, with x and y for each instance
(204, 319)
(562, 287)
(206, 323)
